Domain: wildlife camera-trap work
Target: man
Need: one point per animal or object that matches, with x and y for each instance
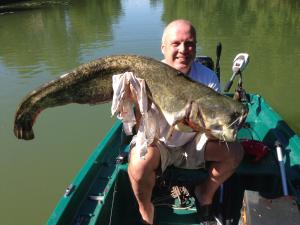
(179, 49)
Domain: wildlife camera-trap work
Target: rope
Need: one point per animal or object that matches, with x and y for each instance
(115, 185)
(113, 199)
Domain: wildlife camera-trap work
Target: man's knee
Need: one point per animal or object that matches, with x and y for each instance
(139, 167)
(229, 154)
(236, 153)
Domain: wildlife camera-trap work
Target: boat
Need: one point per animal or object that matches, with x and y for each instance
(101, 192)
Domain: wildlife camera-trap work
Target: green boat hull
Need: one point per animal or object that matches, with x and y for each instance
(101, 192)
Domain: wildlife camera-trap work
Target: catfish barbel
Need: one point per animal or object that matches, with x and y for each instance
(181, 100)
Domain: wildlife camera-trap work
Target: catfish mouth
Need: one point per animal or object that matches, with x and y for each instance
(229, 132)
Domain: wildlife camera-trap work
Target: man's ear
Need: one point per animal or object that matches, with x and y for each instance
(162, 48)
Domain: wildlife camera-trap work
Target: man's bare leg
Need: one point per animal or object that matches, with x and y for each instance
(224, 161)
(142, 177)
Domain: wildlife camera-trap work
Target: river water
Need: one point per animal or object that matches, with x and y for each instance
(40, 44)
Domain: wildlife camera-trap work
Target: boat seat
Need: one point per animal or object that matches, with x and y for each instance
(206, 61)
(186, 177)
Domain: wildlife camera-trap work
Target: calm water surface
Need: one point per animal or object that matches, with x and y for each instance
(39, 45)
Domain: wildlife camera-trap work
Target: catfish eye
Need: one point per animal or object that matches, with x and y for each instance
(236, 115)
(216, 127)
(213, 115)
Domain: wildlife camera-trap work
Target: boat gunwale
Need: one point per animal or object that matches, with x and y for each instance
(94, 159)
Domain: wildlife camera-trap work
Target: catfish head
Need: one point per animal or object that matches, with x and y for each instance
(218, 116)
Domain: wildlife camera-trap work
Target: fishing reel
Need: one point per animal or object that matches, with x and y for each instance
(239, 64)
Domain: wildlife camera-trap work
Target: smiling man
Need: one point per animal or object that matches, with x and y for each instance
(179, 45)
(179, 49)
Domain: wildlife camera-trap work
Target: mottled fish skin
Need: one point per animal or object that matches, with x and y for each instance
(179, 98)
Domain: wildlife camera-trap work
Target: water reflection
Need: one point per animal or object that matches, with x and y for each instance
(40, 34)
(233, 19)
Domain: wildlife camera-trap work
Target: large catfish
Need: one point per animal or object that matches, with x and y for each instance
(182, 101)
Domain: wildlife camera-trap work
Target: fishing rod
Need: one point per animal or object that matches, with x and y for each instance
(218, 53)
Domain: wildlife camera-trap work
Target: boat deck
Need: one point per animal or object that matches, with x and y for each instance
(101, 192)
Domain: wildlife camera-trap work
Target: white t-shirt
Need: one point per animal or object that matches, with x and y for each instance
(204, 75)
(198, 73)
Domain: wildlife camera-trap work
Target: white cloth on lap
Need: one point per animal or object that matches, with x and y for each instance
(123, 107)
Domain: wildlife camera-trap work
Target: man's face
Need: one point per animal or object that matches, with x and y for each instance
(179, 47)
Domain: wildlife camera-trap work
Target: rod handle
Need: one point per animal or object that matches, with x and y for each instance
(228, 86)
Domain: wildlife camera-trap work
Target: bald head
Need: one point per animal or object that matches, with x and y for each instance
(178, 23)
